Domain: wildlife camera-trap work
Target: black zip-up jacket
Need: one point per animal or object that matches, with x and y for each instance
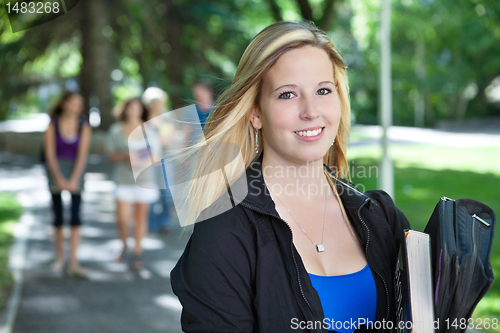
(240, 271)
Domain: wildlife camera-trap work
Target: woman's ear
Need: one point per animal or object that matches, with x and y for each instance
(255, 119)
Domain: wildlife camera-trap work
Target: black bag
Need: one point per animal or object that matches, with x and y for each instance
(461, 239)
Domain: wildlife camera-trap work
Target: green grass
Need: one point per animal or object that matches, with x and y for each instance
(10, 211)
(474, 159)
(420, 183)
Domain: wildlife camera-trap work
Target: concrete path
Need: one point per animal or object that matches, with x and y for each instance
(115, 299)
(371, 134)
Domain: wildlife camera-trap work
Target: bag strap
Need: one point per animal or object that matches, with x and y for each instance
(80, 125)
(56, 126)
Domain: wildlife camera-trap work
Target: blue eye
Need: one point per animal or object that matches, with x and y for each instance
(324, 91)
(286, 95)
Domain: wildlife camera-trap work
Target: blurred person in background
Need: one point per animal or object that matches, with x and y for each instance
(203, 96)
(66, 147)
(159, 213)
(132, 198)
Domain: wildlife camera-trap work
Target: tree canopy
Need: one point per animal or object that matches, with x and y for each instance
(444, 52)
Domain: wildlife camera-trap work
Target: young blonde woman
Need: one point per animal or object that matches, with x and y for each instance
(66, 147)
(303, 250)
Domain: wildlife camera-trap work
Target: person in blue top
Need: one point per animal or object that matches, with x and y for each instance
(194, 119)
(203, 96)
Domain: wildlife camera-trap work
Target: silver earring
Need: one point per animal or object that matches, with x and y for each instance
(333, 142)
(256, 140)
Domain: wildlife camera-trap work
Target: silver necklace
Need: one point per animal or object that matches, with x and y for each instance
(319, 247)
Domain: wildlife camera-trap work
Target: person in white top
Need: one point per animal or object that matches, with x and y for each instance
(133, 197)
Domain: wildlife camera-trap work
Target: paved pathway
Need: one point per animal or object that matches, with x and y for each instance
(114, 299)
(371, 134)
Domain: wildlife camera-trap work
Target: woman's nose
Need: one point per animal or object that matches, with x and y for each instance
(309, 108)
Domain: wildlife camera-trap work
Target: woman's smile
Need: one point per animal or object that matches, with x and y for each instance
(310, 134)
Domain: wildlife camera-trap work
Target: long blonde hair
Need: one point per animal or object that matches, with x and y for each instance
(229, 122)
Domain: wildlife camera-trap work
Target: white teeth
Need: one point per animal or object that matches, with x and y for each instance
(310, 133)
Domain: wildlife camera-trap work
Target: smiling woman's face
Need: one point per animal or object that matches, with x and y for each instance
(299, 107)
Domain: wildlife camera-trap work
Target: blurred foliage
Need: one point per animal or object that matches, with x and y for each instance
(10, 211)
(444, 52)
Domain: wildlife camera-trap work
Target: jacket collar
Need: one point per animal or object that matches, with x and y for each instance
(259, 198)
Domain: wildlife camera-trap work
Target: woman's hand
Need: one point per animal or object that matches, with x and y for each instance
(62, 184)
(73, 186)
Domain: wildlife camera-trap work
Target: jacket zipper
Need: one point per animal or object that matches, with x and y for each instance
(291, 248)
(470, 272)
(366, 253)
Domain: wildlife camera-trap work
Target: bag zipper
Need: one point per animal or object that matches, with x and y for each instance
(470, 272)
(481, 220)
(366, 254)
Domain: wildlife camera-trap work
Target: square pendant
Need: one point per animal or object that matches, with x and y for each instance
(320, 248)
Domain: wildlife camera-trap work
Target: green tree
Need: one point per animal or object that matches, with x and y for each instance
(165, 43)
(443, 52)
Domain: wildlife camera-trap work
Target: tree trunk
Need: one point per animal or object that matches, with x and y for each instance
(429, 112)
(420, 73)
(275, 10)
(174, 59)
(96, 68)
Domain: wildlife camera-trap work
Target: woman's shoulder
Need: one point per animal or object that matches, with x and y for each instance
(222, 214)
(226, 237)
(225, 222)
(385, 203)
(381, 198)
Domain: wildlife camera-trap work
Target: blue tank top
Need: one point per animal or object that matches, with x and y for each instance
(346, 297)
